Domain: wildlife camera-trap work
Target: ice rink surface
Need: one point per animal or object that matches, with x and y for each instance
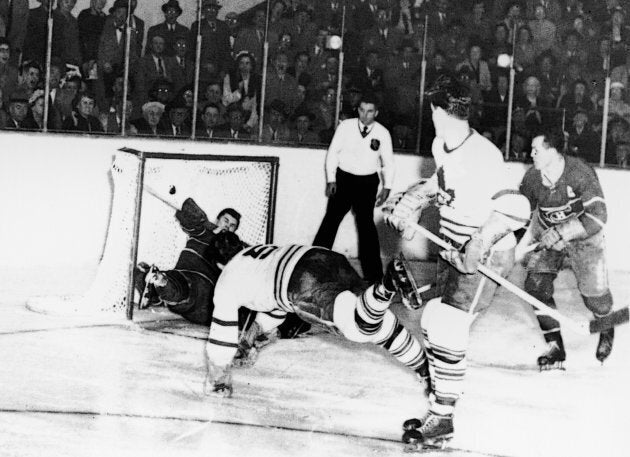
(74, 387)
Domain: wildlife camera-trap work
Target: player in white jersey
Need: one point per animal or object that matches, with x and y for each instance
(317, 284)
(479, 210)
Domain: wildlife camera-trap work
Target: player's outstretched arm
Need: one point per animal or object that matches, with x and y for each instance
(193, 219)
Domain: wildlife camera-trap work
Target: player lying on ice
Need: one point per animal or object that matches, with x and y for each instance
(188, 288)
(317, 284)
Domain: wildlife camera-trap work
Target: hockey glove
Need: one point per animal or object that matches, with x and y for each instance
(218, 381)
(551, 239)
(466, 262)
(191, 216)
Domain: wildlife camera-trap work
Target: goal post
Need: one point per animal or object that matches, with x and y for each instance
(147, 187)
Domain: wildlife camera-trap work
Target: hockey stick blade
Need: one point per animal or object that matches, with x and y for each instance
(615, 318)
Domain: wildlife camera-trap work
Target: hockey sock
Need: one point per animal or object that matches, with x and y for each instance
(370, 309)
(394, 337)
(445, 331)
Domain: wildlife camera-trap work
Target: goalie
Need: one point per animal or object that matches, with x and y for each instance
(317, 284)
(188, 288)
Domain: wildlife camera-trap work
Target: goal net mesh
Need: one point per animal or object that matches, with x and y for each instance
(214, 182)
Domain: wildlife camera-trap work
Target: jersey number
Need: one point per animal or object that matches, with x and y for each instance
(259, 252)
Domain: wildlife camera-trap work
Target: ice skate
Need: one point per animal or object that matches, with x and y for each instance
(398, 277)
(605, 344)
(434, 433)
(554, 357)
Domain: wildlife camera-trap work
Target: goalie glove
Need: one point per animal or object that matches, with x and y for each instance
(191, 216)
(218, 381)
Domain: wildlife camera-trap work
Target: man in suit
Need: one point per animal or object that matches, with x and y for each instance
(211, 117)
(174, 123)
(183, 71)
(275, 129)
(369, 77)
(401, 77)
(302, 133)
(252, 39)
(302, 29)
(18, 109)
(328, 76)
(234, 129)
(215, 35)
(317, 52)
(111, 48)
(153, 66)
(382, 37)
(37, 34)
(15, 14)
(170, 29)
(281, 85)
(91, 22)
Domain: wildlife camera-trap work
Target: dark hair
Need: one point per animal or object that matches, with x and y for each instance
(4, 41)
(80, 95)
(30, 64)
(448, 93)
(223, 247)
(552, 137)
(215, 106)
(370, 97)
(231, 212)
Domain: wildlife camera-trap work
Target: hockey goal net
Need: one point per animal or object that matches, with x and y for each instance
(147, 189)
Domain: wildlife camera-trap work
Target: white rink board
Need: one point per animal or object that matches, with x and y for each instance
(56, 197)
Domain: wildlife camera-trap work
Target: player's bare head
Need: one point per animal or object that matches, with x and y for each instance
(223, 246)
(228, 220)
(547, 146)
(451, 95)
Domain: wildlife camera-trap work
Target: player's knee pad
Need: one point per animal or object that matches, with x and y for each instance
(599, 306)
(343, 317)
(447, 329)
(540, 285)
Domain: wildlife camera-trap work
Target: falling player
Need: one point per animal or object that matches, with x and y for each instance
(317, 284)
(570, 212)
(479, 210)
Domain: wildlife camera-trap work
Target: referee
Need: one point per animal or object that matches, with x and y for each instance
(359, 149)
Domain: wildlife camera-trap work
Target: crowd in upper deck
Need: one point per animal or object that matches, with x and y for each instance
(563, 51)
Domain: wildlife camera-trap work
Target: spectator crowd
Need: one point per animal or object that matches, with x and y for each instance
(562, 50)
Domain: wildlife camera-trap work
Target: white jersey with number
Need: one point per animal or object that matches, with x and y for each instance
(472, 181)
(256, 278)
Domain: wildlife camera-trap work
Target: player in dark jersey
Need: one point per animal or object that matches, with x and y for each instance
(188, 288)
(317, 284)
(570, 212)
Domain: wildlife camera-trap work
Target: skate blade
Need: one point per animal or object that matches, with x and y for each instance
(559, 366)
(440, 444)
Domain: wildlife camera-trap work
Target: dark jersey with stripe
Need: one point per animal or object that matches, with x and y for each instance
(576, 194)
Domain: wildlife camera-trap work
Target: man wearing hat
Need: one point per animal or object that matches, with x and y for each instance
(111, 48)
(18, 109)
(215, 34)
(170, 29)
(302, 133)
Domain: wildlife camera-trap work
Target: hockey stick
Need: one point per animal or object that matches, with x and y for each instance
(598, 325)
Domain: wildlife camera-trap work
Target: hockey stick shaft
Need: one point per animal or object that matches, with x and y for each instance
(151, 191)
(581, 328)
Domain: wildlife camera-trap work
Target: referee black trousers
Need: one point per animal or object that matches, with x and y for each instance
(359, 194)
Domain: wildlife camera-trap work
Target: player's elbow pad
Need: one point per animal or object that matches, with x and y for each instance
(514, 206)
